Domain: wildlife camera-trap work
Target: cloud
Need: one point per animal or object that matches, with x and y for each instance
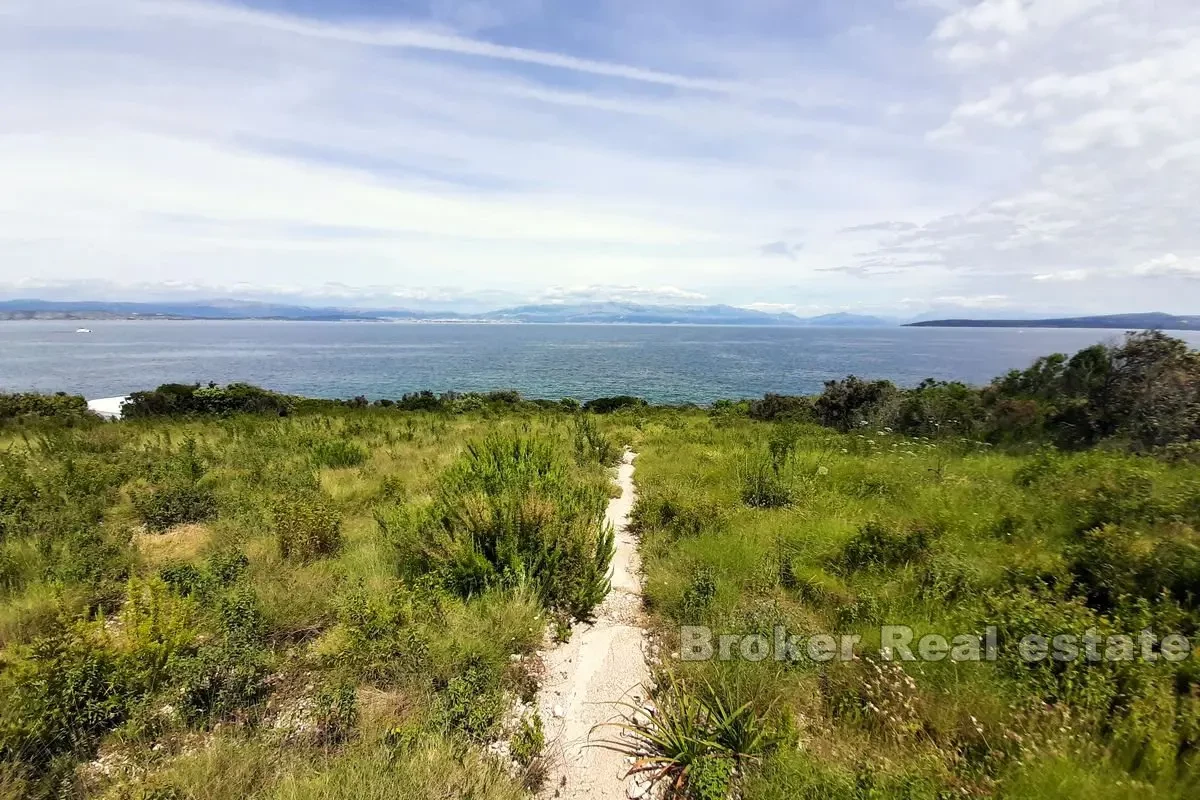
(781, 248)
(1169, 265)
(1064, 276)
(510, 145)
(1076, 123)
(890, 226)
(977, 301)
(650, 295)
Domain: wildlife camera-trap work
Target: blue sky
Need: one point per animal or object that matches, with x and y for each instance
(968, 155)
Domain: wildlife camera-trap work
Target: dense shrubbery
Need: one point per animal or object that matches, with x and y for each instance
(1144, 393)
(511, 513)
(177, 399)
(307, 527)
(179, 496)
(61, 406)
(607, 405)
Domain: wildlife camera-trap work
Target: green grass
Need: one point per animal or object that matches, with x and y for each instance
(942, 536)
(276, 561)
(328, 604)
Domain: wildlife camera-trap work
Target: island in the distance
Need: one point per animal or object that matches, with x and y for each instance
(550, 313)
(1152, 321)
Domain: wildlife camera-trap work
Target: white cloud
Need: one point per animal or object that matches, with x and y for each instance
(649, 295)
(1065, 276)
(217, 145)
(975, 301)
(1169, 265)
(1103, 96)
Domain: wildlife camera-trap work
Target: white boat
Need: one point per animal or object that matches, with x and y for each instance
(83, 330)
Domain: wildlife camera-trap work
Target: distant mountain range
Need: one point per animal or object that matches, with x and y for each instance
(1151, 321)
(602, 313)
(579, 313)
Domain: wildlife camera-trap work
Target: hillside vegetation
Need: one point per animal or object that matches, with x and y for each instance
(239, 594)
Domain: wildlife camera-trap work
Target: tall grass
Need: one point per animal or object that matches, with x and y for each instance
(512, 513)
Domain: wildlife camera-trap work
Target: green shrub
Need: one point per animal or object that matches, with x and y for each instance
(335, 711)
(179, 496)
(382, 643)
(471, 703)
(68, 690)
(876, 546)
(337, 454)
(307, 527)
(227, 674)
(710, 778)
(849, 403)
(176, 502)
(678, 514)
(698, 597)
(528, 741)
(591, 445)
(177, 399)
(607, 405)
(763, 486)
(774, 407)
(512, 513)
(221, 679)
(60, 406)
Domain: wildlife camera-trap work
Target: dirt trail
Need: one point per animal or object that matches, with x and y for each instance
(603, 664)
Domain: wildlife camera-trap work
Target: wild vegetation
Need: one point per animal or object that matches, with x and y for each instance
(239, 594)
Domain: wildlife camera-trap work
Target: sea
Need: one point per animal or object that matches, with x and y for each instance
(662, 363)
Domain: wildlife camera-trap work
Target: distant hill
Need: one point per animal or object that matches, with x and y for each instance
(844, 320)
(208, 309)
(581, 313)
(1152, 321)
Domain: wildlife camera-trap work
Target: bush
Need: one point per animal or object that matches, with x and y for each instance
(591, 445)
(678, 515)
(876, 546)
(527, 743)
(61, 697)
(176, 502)
(62, 406)
(219, 680)
(335, 709)
(710, 778)
(698, 596)
(511, 513)
(307, 527)
(774, 407)
(230, 673)
(471, 703)
(179, 497)
(607, 405)
(848, 403)
(177, 399)
(763, 486)
(337, 454)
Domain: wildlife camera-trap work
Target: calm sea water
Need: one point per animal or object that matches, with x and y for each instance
(661, 363)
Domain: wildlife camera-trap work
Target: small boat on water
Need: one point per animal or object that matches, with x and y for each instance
(83, 330)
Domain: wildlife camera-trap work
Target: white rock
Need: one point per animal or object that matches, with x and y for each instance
(559, 713)
(637, 790)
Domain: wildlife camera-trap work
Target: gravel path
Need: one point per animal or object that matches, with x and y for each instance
(603, 664)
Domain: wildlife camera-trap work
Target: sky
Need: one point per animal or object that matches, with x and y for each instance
(879, 156)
